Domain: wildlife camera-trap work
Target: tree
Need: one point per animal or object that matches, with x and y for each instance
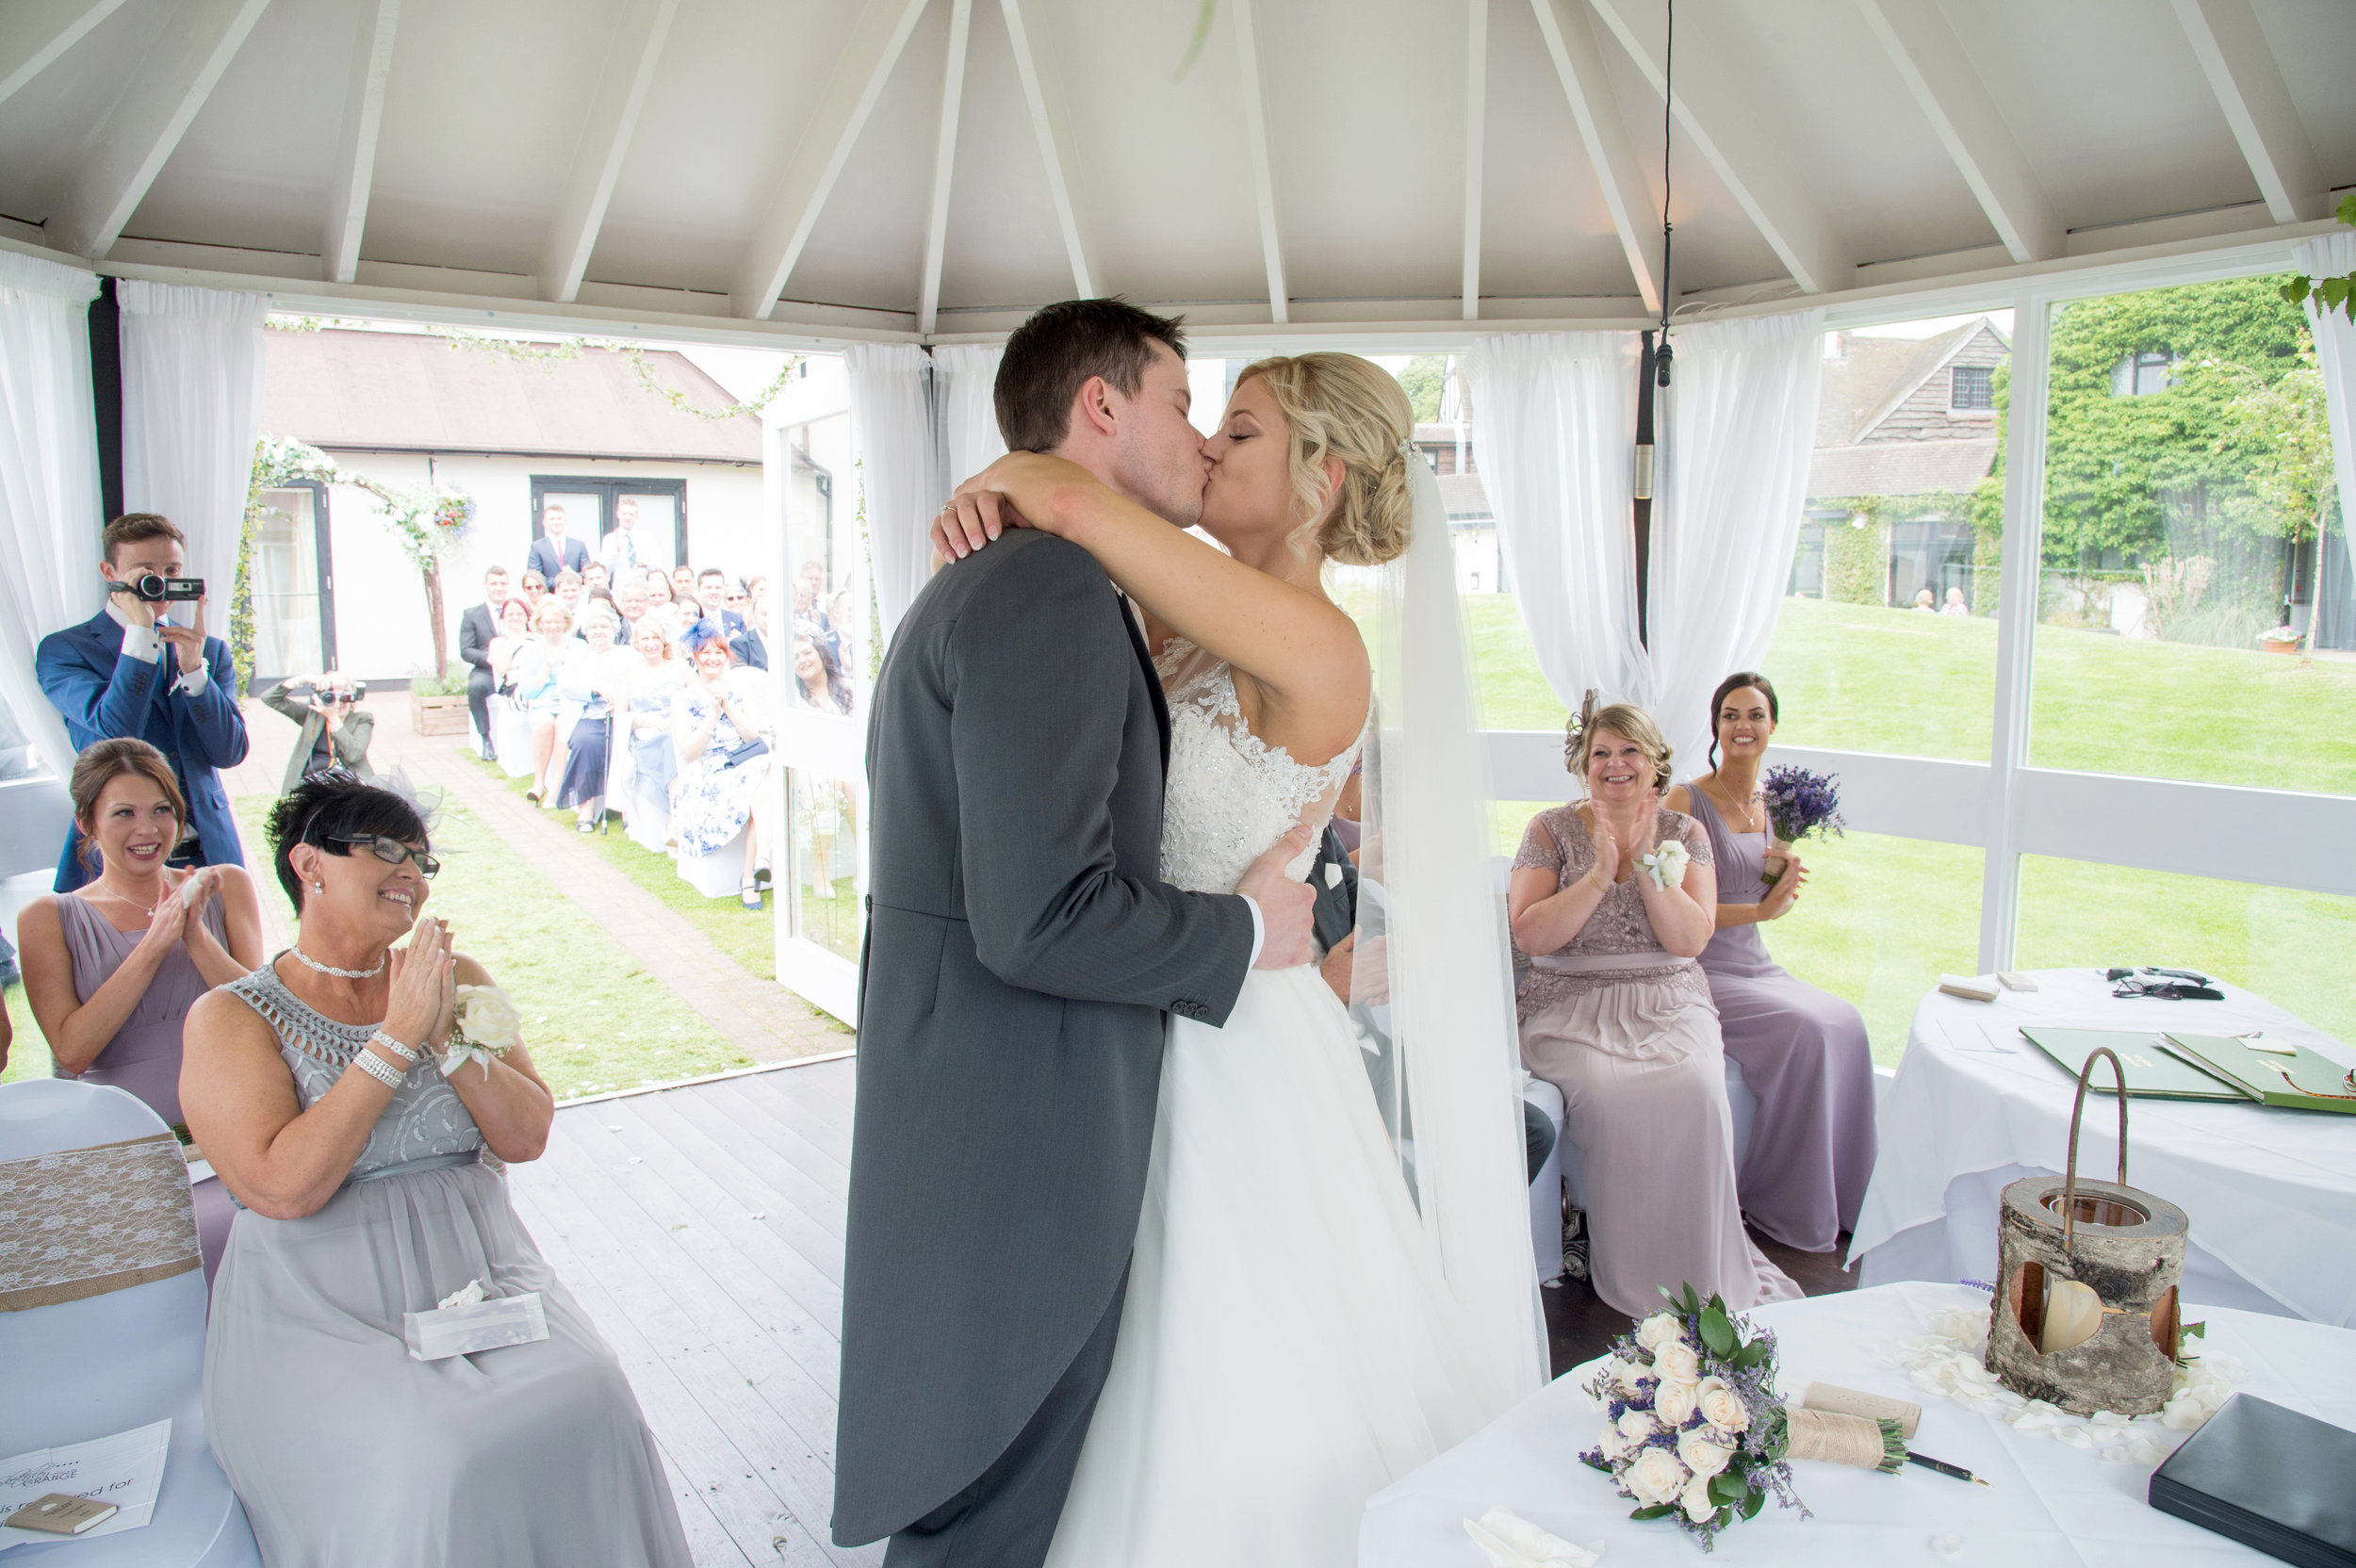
(1425, 379)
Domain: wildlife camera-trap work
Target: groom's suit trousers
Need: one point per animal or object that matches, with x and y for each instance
(1006, 1518)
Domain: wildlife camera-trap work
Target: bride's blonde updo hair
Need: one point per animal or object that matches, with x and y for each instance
(1341, 406)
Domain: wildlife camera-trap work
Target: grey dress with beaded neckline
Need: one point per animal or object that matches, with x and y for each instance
(347, 1453)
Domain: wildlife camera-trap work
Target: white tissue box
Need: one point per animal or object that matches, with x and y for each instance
(483, 1326)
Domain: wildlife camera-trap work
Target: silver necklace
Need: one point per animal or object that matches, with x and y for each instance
(306, 960)
(147, 909)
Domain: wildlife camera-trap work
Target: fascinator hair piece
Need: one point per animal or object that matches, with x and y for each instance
(696, 636)
(1575, 730)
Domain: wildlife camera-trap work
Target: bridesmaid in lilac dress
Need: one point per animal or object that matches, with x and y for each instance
(1803, 1050)
(112, 970)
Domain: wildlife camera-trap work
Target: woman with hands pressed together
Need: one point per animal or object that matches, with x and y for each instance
(1613, 898)
(1803, 1050)
(723, 747)
(341, 1101)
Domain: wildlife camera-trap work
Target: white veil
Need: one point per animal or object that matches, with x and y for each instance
(1427, 894)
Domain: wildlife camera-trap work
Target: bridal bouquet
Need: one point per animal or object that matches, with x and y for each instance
(1798, 803)
(1693, 1429)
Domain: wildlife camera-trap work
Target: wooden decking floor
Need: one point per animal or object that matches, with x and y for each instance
(701, 1226)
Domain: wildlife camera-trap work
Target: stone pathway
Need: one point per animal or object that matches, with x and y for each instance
(761, 1018)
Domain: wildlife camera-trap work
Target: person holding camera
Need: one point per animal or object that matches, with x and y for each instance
(336, 728)
(143, 668)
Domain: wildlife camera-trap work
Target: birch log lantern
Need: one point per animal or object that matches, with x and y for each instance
(2084, 1315)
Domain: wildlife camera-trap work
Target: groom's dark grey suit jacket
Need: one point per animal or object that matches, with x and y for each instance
(1020, 954)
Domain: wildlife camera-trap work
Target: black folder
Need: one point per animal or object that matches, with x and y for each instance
(2268, 1478)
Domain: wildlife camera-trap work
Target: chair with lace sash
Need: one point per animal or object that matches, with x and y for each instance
(101, 1310)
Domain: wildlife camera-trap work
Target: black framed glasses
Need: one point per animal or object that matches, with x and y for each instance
(391, 851)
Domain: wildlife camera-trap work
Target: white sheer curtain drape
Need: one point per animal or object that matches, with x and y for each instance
(49, 489)
(965, 379)
(2331, 256)
(191, 409)
(1555, 415)
(1736, 433)
(899, 468)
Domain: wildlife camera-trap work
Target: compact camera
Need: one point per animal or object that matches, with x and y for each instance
(155, 588)
(358, 689)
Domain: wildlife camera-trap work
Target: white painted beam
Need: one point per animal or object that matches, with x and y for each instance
(944, 164)
(1931, 62)
(822, 144)
(147, 122)
(1262, 171)
(1571, 43)
(1476, 127)
(631, 59)
(355, 151)
(1715, 105)
(1045, 126)
(2249, 84)
(33, 33)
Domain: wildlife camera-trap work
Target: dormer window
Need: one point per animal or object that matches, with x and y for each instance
(2141, 375)
(1971, 386)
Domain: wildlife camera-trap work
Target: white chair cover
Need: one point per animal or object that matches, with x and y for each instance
(109, 1363)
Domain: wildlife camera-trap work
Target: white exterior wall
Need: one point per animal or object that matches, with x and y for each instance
(381, 630)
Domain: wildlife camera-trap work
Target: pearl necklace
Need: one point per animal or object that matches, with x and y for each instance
(306, 960)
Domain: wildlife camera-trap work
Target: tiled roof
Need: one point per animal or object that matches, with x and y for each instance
(1900, 467)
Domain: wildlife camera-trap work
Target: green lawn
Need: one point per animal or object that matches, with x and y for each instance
(28, 1055)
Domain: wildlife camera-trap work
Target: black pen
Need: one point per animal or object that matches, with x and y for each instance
(1942, 1468)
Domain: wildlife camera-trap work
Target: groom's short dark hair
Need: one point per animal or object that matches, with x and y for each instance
(1059, 349)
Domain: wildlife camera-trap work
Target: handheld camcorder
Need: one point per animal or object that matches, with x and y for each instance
(155, 588)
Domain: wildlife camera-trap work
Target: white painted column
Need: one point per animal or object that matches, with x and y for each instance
(2016, 625)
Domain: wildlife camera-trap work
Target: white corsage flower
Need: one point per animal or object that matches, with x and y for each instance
(1655, 1478)
(1665, 865)
(1662, 1328)
(1703, 1453)
(1672, 1402)
(1695, 1499)
(1721, 1406)
(486, 1024)
(1678, 1364)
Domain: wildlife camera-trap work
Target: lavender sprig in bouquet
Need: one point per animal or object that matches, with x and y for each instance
(1798, 803)
(1692, 1428)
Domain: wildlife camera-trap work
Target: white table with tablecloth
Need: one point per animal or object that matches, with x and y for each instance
(2271, 1193)
(2046, 1504)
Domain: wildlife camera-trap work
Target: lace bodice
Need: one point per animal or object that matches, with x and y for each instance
(1230, 795)
(425, 1117)
(1559, 841)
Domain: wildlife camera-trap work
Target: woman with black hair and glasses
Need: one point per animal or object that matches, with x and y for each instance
(360, 1128)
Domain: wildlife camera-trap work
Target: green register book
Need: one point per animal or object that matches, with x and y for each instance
(2154, 1071)
(2303, 1080)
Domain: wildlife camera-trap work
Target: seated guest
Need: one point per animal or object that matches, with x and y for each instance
(112, 969)
(630, 602)
(684, 584)
(336, 728)
(1955, 605)
(817, 679)
(1803, 1050)
(744, 638)
(514, 632)
(1615, 1013)
(724, 760)
(596, 579)
(477, 626)
(533, 587)
(596, 685)
(144, 668)
(662, 609)
(711, 596)
(654, 759)
(320, 1088)
(567, 588)
(839, 613)
(1923, 601)
(757, 595)
(537, 674)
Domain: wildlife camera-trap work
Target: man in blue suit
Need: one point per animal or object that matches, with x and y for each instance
(131, 670)
(555, 554)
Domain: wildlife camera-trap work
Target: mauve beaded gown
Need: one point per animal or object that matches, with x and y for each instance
(143, 1058)
(1804, 1054)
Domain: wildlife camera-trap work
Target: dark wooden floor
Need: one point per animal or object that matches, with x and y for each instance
(1579, 1327)
(701, 1227)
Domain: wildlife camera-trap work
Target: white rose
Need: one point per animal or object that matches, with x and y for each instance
(1672, 1403)
(1655, 1478)
(487, 1015)
(1612, 1445)
(1678, 1364)
(1721, 1406)
(1695, 1498)
(1622, 1375)
(1662, 1328)
(1637, 1425)
(1703, 1453)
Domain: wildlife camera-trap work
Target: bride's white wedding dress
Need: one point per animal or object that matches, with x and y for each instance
(1288, 1346)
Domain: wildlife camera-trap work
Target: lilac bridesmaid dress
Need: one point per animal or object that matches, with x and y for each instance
(1804, 1054)
(143, 1058)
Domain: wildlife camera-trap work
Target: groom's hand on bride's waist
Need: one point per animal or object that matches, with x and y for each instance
(1287, 927)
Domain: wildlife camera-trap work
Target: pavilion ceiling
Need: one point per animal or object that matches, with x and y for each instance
(942, 166)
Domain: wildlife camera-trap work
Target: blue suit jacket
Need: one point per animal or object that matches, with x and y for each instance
(543, 558)
(104, 695)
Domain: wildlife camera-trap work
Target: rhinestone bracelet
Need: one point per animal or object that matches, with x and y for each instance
(377, 1068)
(383, 1037)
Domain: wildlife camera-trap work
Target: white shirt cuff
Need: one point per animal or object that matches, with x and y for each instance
(140, 643)
(193, 683)
(1259, 925)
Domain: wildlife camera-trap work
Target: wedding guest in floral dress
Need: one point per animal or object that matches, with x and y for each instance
(1803, 1049)
(724, 760)
(1613, 898)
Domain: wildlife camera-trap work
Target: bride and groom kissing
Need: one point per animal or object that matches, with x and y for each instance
(1132, 1275)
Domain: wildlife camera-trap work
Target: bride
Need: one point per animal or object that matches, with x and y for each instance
(1291, 1342)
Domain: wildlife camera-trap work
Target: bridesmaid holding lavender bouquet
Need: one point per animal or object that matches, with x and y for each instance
(1803, 1050)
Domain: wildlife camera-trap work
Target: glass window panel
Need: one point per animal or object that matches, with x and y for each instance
(655, 531)
(2187, 515)
(827, 862)
(2290, 947)
(1893, 579)
(284, 575)
(17, 757)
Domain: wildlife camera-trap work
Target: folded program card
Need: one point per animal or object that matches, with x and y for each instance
(125, 1470)
(1510, 1540)
(464, 1323)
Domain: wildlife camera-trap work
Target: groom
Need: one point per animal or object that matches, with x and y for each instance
(1020, 957)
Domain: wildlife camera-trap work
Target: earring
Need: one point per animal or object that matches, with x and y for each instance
(318, 887)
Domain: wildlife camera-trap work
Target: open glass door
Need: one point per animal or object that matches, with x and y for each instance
(294, 617)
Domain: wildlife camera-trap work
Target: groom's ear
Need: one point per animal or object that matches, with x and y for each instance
(1094, 411)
